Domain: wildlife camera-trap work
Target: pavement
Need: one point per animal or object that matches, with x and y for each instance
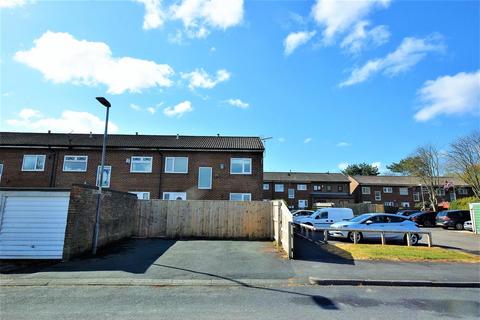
(234, 263)
(275, 302)
(453, 239)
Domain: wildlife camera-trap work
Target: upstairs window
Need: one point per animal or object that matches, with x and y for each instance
(141, 164)
(403, 191)
(340, 188)
(107, 173)
(378, 196)
(75, 163)
(462, 191)
(266, 186)
(240, 197)
(301, 187)
(416, 196)
(291, 193)
(176, 165)
(33, 162)
(387, 190)
(365, 190)
(279, 187)
(241, 166)
(205, 178)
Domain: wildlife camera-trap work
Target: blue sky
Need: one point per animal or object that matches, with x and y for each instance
(332, 82)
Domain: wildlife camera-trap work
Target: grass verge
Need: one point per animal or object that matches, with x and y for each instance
(399, 253)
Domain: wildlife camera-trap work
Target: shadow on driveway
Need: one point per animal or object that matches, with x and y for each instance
(309, 250)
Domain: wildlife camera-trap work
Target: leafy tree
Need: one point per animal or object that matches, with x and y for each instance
(463, 204)
(361, 169)
(464, 160)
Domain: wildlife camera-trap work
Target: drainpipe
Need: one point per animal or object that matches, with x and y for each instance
(53, 169)
(160, 176)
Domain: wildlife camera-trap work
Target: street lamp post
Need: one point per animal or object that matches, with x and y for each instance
(107, 105)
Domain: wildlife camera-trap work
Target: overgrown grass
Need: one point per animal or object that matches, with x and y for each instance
(399, 253)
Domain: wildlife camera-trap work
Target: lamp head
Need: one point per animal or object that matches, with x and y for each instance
(103, 101)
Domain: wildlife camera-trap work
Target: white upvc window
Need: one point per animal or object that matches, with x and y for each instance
(141, 164)
(266, 186)
(303, 204)
(141, 195)
(405, 204)
(1, 171)
(440, 192)
(176, 165)
(329, 188)
(240, 197)
(403, 191)
(33, 162)
(107, 173)
(378, 196)
(205, 178)
(279, 187)
(317, 188)
(301, 187)
(340, 188)
(462, 191)
(365, 190)
(416, 196)
(387, 189)
(389, 204)
(241, 166)
(291, 193)
(174, 196)
(75, 163)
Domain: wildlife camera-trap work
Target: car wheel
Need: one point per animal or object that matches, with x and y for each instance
(413, 239)
(427, 223)
(352, 234)
(459, 226)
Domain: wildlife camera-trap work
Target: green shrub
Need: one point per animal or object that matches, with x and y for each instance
(462, 204)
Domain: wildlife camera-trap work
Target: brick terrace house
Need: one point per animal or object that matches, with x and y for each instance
(152, 166)
(402, 191)
(303, 190)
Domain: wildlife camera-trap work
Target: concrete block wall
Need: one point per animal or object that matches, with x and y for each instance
(117, 219)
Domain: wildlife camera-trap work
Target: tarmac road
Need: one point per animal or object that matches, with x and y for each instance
(288, 302)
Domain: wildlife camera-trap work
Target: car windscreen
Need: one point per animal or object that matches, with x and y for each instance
(361, 217)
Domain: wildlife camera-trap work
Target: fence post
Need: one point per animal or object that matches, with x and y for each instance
(429, 239)
(325, 236)
(382, 235)
(355, 237)
(409, 242)
(290, 240)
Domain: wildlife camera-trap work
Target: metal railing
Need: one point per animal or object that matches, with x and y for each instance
(309, 228)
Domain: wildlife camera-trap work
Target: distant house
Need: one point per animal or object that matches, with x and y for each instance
(303, 190)
(151, 166)
(403, 191)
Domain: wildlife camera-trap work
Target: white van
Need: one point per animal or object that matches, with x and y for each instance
(325, 217)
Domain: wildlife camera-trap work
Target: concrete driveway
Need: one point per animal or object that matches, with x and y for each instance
(461, 240)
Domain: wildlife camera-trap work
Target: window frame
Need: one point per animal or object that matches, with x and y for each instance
(243, 166)
(389, 204)
(176, 193)
(301, 187)
(98, 176)
(211, 178)
(405, 206)
(266, 186)
(140, 192)
(177, 172)
(291, 193)
(142, 161)
(378, 195)
(36, 156)
(242, 194)
(387, 189)
(440, 192)
(340, 188)
(78, 155)
(366, 188)
(279, 184)
(1, 171)
(400, 191)
(416, 196)
(462, 191)
(305, 201)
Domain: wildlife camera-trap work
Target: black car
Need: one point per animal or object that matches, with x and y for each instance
(407, 213)
(424, 218)
(452, 218)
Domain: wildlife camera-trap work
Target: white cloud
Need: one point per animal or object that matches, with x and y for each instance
(61, 58)
(33, 120)
(11, 3)
(343, 144)
(198, 16)
(339, 16)
(281, 139)
(457, 94)
(410, 52)
(179, 109)
(377, 165)
(238, 103)
(154, 15)
(361, 38)
(296, 39)
(199, 78)
(152, 110)
(307, 140)
(135, 107)
(342, 165)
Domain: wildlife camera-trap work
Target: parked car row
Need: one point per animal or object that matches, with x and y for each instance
(456, 219)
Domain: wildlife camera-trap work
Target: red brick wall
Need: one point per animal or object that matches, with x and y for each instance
(156, 182)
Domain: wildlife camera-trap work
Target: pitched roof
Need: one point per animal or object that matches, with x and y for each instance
(132, 141)
(401, 180)
(304, 177)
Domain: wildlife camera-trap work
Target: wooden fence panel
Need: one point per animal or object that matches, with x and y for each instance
(208, 219)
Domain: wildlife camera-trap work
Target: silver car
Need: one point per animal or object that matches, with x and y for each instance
(376, 221)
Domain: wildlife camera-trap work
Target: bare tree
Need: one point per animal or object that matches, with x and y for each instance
(428, 169)
(464, 160)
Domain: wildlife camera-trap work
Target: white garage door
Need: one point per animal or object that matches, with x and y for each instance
(33, 224)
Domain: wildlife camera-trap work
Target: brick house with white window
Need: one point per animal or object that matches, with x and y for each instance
(151, 166)
(304, 189)
(403, 191)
